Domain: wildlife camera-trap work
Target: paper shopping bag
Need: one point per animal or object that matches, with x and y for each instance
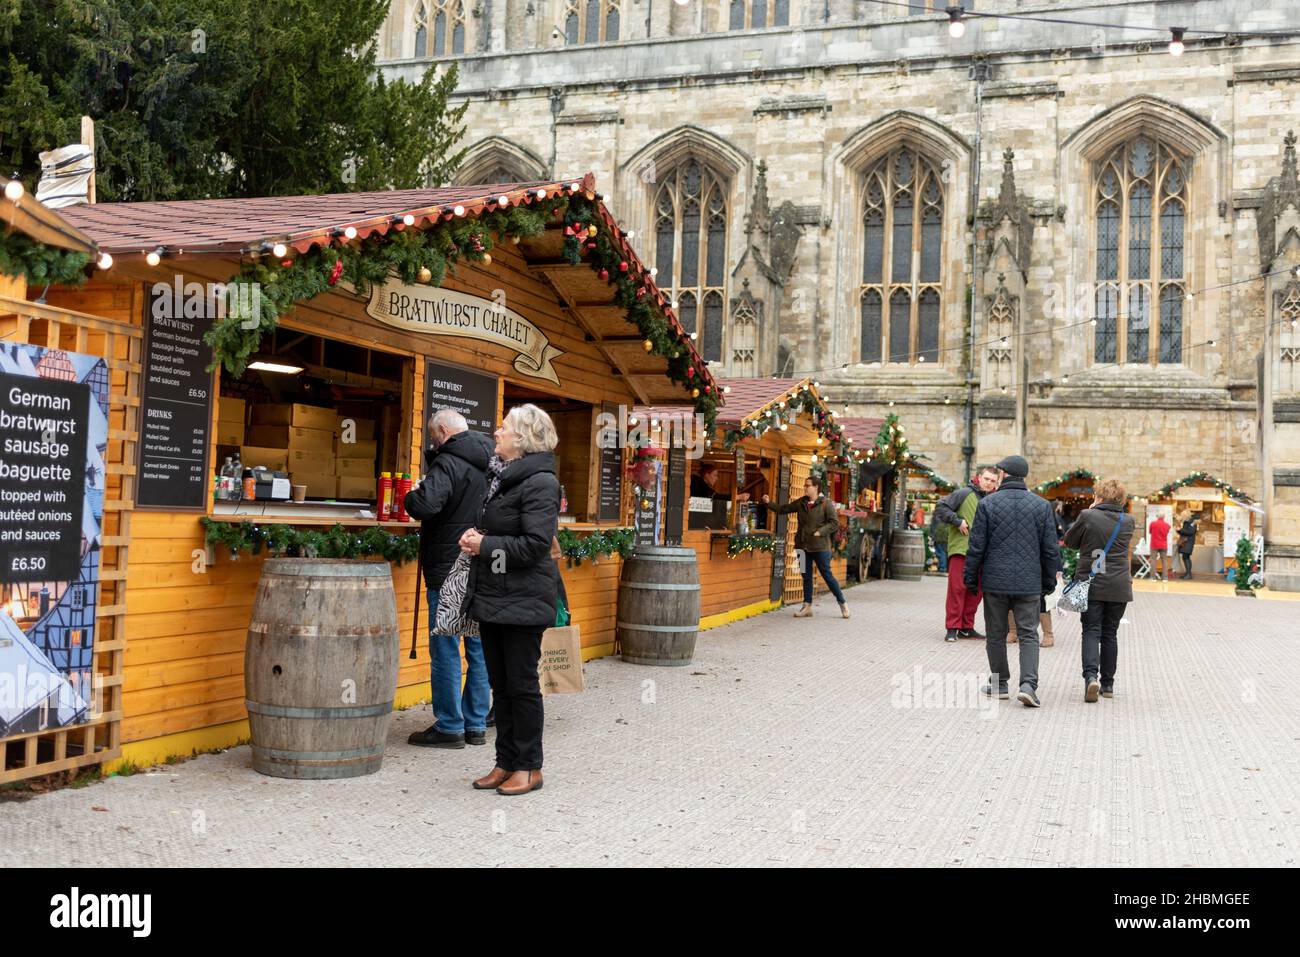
(560, 668)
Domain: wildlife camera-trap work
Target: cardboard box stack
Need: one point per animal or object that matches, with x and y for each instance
(230, 421)
(303, 438)
(355, 448)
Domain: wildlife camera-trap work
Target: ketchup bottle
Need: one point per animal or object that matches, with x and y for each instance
(399, 501)
(385, 496)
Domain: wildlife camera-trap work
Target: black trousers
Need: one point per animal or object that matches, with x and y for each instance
(1101, 639)
(512, 653)
(1187, 562)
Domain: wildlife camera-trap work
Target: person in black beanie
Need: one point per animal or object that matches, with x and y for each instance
(1014, 557)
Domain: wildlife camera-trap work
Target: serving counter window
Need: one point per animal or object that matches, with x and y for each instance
(311, 421)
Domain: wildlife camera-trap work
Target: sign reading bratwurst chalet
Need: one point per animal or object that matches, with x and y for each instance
(444, 312)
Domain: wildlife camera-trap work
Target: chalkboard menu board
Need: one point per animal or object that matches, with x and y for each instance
(472, 394)
(782, 523)
(610, 506)
(675, 496)
(46, 426)
(176, 399)
(647, 519)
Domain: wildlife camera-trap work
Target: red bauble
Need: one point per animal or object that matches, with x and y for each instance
(603, 274)
(622, 267)
(691, 372)
(708, 389)
(336, 272)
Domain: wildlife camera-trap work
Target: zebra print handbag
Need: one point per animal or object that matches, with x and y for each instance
(452, 616)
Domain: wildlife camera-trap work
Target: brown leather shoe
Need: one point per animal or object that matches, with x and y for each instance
(521, 782)
(490, 780)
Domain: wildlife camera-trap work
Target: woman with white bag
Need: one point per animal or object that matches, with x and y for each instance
(1103, 583)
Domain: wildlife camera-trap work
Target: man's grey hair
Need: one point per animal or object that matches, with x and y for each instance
(534, 427)
(449, 420)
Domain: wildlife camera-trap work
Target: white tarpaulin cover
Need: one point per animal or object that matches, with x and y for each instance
(65, 176)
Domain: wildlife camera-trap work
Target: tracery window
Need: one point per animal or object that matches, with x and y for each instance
(1140, 198)
(757, 14)
(690, 216)
(902, 265)
(591, 21)
(439, 27)
(1289, 339)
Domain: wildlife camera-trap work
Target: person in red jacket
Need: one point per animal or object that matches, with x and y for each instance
(1158, 539)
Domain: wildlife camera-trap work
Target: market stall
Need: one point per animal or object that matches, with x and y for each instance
(1072, 491)
(1223, 514)
(337, 324)
(69, 419)
(770, 435)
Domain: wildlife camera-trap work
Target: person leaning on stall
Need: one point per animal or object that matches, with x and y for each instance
(447, 502)
(817, 528)
(1112, 586)
(515, 583)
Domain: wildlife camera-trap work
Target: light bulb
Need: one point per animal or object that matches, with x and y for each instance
(153, 257)
(458, 211)
(279, 250)
(503, 200)
(105, 261)
(681, 3)
(350, 232)
(1176, 44)
(573, 187)
(540, 193)
(956, 26)
(654, 271)
(408, 220)
(14, 190)
(629, 234)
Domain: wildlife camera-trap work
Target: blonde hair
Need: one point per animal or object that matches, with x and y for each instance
(1111, 491)
(534, 428)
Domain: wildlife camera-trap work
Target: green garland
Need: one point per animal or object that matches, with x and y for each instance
(596, 545)
(288, 541)
(437, 248)
(1232, 491)
(1065, 477)
(941, 483)
(40, 264)
(890, 445)
(738, 544)
(1069, 562)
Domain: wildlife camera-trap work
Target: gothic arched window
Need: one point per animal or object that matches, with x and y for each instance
(902, 261)
(591, 21)
(439, 28)
(1140, 198)
(690, 217)
(757, 14)
(1289, 339)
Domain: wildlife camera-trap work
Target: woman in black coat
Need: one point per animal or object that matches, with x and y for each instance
(1112, 587)
(515, 584)
(1187, 542)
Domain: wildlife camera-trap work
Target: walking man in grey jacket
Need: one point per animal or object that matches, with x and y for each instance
(1013, 555)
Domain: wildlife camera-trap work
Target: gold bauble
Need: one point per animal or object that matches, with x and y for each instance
(424, 275)
(592, 230)
(695, 393)
(487, 259)
(515, 240)
(647, 345)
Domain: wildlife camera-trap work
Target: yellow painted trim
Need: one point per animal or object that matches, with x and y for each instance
(598, 651)
(738, 614)
(151, 751)
(1219, 589)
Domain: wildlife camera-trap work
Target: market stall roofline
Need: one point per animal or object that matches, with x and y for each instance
(749, 396)
(33, 218)
(244, 225)
(862, 429)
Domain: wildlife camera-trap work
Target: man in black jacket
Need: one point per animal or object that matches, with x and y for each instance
(447, 501)
(1015, 556)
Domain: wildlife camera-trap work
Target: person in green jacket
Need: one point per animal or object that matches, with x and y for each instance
(953, 518)
(817, 527)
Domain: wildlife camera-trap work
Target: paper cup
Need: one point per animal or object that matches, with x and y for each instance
(299, 493)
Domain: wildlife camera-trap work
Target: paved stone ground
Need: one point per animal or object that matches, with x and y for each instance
(789, 743)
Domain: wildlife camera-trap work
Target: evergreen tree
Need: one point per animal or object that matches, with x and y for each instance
(214, 98)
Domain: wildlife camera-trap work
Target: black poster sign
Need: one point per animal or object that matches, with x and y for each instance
(782, 522)
(44, 424)
(675, 495)
(176, 397)
(647, 519)
(610, 505)
(472, 394)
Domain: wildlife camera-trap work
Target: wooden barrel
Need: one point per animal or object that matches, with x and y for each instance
(907, 554)
(320, 667)
(659, 606)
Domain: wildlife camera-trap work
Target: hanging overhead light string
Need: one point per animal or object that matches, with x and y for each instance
(957, 13)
